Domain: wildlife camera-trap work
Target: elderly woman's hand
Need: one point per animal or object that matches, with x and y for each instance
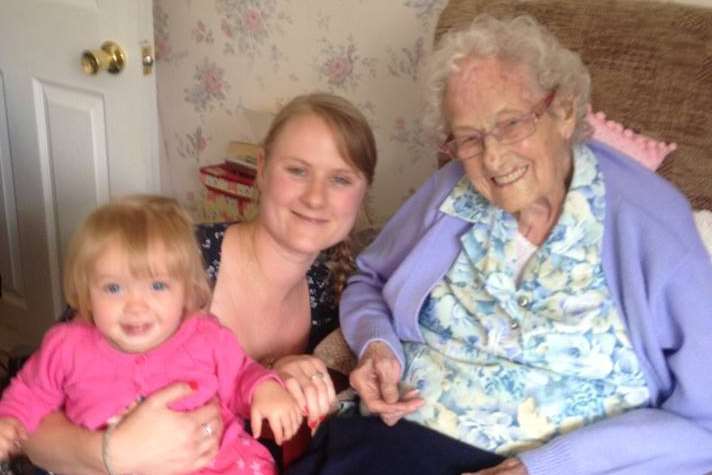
(307, 379)
(511, 466)
(376, 380)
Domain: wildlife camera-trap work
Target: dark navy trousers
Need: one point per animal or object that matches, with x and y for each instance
(365, 446)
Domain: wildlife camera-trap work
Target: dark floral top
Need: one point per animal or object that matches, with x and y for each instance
(324, 309)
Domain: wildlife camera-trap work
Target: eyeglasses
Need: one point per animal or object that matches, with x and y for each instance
(506, 132)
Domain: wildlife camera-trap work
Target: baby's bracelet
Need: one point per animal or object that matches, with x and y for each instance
(105, 459)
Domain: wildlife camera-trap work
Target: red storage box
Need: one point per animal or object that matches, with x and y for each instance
(229, 196)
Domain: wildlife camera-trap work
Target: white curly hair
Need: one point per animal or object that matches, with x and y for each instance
(521, 40)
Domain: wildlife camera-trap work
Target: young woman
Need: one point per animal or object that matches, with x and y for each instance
(318, 160)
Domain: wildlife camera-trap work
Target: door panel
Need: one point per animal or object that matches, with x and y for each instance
(68, 141)
(10, 267)
(73, 129)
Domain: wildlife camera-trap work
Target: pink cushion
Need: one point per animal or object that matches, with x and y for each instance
(646, 150)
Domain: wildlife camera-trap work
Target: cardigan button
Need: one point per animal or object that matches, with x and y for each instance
(514, 325)
(523, 301)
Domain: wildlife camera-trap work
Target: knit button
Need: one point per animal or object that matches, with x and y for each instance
(523, 301)
(514, 325)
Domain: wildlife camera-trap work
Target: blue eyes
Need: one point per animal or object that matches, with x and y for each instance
(296, 171)
(112, 288)
(338, 180)
(159, 285)
(342, 180)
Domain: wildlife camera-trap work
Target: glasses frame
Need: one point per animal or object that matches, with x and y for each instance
(451, 144)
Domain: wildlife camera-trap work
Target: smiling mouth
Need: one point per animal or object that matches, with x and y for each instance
(310, 220)
(511, 177)
(135, 329)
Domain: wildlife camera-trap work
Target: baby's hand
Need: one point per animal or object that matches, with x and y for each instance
(12, 435)
(272, 402)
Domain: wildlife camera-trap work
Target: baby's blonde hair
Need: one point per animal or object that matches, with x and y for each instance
(137, 223)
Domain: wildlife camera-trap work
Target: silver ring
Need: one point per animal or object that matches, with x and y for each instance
(317, 375)
(208, 429)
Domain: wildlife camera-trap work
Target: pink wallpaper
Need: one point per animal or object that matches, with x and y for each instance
(219, 59)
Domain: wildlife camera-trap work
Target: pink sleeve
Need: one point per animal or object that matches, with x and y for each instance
(37, 390)
(238, 374)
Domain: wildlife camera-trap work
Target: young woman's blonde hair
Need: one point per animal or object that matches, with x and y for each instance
(354, 137)
(356, 144)
(138, 224)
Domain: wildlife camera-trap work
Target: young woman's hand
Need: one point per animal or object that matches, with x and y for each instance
(12, 435)
(155, 439)
(272, 402)
(308, 381)
(376, 380)
(151, 438)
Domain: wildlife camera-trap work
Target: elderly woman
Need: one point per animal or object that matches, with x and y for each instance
(541, 298)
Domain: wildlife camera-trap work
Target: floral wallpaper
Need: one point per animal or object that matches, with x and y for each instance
(218, 60)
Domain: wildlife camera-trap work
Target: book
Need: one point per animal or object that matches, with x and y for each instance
(241, 157)
(223, 179)
(219, 207)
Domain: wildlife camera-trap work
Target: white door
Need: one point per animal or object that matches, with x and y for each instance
(68, 141)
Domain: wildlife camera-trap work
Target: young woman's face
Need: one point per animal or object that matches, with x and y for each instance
(310, 195)
(135, 314)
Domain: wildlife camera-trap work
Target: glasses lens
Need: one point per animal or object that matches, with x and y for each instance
(516, 129)
(449, 148)
(468, 148)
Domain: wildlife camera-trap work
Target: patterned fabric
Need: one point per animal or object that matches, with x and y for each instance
(507, 367)
(324, 308)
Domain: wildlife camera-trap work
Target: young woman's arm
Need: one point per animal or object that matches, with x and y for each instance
(150, 439)
(60, 446)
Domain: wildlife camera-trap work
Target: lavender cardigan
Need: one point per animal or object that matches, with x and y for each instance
(658, 272)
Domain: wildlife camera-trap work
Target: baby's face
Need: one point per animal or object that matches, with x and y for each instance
(135, 313)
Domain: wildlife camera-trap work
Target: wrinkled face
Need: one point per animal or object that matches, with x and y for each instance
(310, 195)
(135, 314)
(488, 91)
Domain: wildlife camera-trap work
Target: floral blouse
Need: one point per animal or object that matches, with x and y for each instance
(324, 308)
(506, 366)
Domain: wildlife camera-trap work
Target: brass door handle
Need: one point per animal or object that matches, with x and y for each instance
(110, 58)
